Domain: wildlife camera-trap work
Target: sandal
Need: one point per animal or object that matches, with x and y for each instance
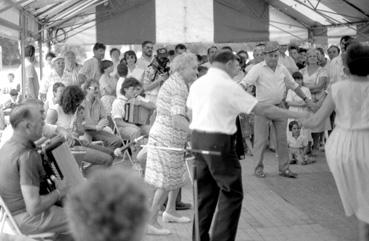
(307, 162)
(259, 172)
(287, 173)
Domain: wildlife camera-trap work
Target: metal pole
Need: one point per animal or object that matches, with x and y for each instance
(195, 204)
(22, 47)
(40, 53)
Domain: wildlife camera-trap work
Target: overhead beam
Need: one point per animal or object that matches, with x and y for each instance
(356, 7)
(10, 24)
(287, 14)
(328, 18)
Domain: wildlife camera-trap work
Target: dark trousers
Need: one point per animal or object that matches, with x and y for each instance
(219, 184)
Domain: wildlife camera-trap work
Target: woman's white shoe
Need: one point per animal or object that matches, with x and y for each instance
(168, 218)
(156, 231)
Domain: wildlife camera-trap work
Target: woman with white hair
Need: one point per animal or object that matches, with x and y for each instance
(165, 169)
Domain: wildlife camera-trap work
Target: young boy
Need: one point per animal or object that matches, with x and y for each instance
(130, 89)
(297, 145)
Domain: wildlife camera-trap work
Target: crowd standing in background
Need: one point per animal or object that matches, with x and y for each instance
(222, 99)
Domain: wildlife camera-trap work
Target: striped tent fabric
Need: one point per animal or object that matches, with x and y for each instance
(187, 21)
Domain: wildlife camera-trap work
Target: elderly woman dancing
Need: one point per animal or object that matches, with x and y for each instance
(165, 169)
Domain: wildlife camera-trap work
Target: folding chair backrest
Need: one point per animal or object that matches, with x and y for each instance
(7, 222)
(124, 142)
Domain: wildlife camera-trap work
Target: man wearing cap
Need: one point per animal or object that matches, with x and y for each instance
(272, 81)
(55, 75)
(155, 74)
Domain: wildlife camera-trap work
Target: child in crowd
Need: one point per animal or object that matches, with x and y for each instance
(130, 90)
(295, 103)
(297, 145)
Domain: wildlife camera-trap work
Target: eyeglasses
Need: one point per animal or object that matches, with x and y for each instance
(93, 88)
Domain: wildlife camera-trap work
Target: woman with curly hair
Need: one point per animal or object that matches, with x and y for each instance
(67, 114)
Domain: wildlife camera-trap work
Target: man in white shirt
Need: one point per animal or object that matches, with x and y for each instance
(258, 57)
(211, 52)
(287, 61)
(215, 101)
(336, 67)
(91, 67)
(147, 55)
(272, 80)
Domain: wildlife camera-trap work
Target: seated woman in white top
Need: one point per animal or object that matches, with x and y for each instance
(67, 115)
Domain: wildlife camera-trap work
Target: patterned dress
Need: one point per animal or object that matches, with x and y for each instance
(314, 79)
(165, 169)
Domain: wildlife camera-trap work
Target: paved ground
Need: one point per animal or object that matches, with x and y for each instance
(281, 209)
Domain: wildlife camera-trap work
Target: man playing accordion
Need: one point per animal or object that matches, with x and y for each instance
(21, 172)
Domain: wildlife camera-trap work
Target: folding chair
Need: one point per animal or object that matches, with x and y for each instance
(126, 153)
(9, 226)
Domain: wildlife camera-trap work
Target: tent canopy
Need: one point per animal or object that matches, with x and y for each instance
(132, 21)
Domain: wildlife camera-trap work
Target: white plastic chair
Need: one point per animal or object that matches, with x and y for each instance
(9, 226)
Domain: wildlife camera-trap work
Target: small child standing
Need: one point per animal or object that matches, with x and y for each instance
(295, 103)
(297, 145)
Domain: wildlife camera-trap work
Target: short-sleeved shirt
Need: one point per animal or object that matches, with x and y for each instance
(70, 76)
(216, 100)
(289, 63)
(119, 86)
(20, 164)
(300, 142)
(94, 111)
(31, 88)
(118, 110)
(271, 86)
(143, 63)
(91, 69)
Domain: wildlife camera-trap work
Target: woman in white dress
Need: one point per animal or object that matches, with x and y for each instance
(316, 80)
(347, 147)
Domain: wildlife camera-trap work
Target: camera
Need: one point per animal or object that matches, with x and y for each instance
(159, 64)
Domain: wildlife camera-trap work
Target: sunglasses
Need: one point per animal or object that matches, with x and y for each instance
(93, 88)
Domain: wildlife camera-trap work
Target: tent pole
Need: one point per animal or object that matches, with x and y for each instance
(40, 55)
(22, 47)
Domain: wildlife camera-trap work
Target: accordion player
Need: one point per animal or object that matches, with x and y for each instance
(58, 162)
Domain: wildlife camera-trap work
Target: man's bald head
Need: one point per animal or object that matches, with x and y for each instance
(22, 113)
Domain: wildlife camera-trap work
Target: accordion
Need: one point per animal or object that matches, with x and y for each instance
(136, 114)
(58, 161)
